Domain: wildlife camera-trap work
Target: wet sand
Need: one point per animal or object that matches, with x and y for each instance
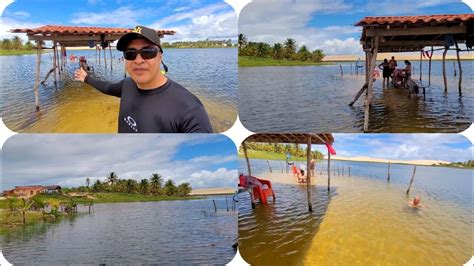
(212, 191)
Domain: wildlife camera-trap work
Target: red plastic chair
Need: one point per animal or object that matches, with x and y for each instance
(257, 192)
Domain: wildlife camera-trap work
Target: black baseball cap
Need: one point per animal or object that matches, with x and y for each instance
(139, 32)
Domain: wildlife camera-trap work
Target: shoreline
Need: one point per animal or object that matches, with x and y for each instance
(212, 191)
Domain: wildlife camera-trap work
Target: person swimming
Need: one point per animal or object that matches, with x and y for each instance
(415, 203)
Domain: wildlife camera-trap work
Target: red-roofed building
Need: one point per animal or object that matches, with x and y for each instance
(24, 191)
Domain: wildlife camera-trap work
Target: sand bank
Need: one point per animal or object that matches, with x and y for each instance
(212, 191)
(378, 160)
(399, 56)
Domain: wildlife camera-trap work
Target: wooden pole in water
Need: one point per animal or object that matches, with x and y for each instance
(421, 64)
(57, 59)
(454, 68)
(444, 69)
(281, 166)
(215, 207)
(411, 180)
(342, 72)
(111, 61)
(349, 171)
(246, 157)
(351, 70)
(105, 57)
(98, 49)
(227, 206)
(370, 87)
(54, 64)
(388, 172)
(343, 170)
(429, 68)
(37, 74)
(269, 167)
(308, 172)
(460, 67)
(329, 170)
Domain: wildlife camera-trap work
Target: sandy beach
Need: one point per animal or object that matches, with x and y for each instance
(438, 55)
(212, 191)
(377, 160)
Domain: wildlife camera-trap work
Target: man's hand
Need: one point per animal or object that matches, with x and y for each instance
(80, 74)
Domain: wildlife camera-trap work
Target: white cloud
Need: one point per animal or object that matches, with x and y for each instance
(124, 17)
(21, 14)
(222, 177)
(344, 47)
(8, 23)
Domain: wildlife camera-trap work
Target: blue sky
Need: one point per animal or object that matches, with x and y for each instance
(443, 147)
(193, 19)
(202, 160)
(329, 24)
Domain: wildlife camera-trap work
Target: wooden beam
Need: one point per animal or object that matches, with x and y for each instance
(459, 66)
(246, 158)
(37, 75)
(416, 31)
(411, 180)
(444, 69)
(429, 68)
(73, 38)
(370, 86)
(412, 43)
(329, 170)
(421, 64)
(364, 87)
(308, 173)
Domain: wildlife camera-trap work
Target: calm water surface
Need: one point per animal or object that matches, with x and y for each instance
(316, 98)
(364, 219)
(211, 74)
(166, 232)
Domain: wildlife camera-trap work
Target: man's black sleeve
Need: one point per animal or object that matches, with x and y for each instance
(114, 89)
(196, 120)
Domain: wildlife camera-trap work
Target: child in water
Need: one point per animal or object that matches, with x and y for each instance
(415, 203)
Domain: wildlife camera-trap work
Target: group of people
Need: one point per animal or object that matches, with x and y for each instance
(300, 171)
(398, 75)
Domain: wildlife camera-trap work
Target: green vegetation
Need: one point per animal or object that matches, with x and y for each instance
(468, 164)
(250, 61)
(200, 44)
(15, 46)
(288, 51)
(277, 151)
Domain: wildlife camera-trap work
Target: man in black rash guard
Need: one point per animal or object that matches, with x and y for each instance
(150, 102)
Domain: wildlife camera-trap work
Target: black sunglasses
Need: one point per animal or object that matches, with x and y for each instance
(145, 53)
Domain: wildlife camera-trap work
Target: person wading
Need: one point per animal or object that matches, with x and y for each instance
(150, 102)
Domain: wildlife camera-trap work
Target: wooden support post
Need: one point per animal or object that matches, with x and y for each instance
(37, 74)
(444, 69)
(54, 64)
(269, 167)
(98, 48)
(454, 69)
(351, 70)
(388, 172)
(343, 170)
(366, 67)
(429, 68)
(105, 57)
(411, 180)
(308, 173)
(342, 72)
(421, 64)
(368, 102)
(246, 157)
(359, 94)
(57, 59)
(111, 61)
(215, 207)
(349, 171)
(460, 67)
(47, 76)
(329, 170)
(227, 206)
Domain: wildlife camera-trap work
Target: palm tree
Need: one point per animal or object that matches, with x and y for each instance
(88, 182)
(144, 186)
(112, 178)
(170, 188)
(303, 53)
(97, 187)
(290, 48)
(24, 207)
(317, 55)
(277, 51)
(17, 44)
(184, 189)
(261, 49)
(242, 41)
(156, 182)
(130, 185)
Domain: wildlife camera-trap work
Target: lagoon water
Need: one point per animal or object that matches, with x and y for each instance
(211, 74)
(166, 232)
(364, 219)
(316, 98)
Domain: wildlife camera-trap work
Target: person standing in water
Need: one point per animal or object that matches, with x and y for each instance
(385, 67)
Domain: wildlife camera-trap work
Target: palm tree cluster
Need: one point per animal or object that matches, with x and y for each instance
(292, 149)
(15, 43)
(287, 50)
(155, 185)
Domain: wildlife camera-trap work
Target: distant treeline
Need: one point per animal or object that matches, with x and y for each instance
(288, 50)
(15, 43)
(200, 44)
(154, 185)
(293, 149)
(468, 164)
